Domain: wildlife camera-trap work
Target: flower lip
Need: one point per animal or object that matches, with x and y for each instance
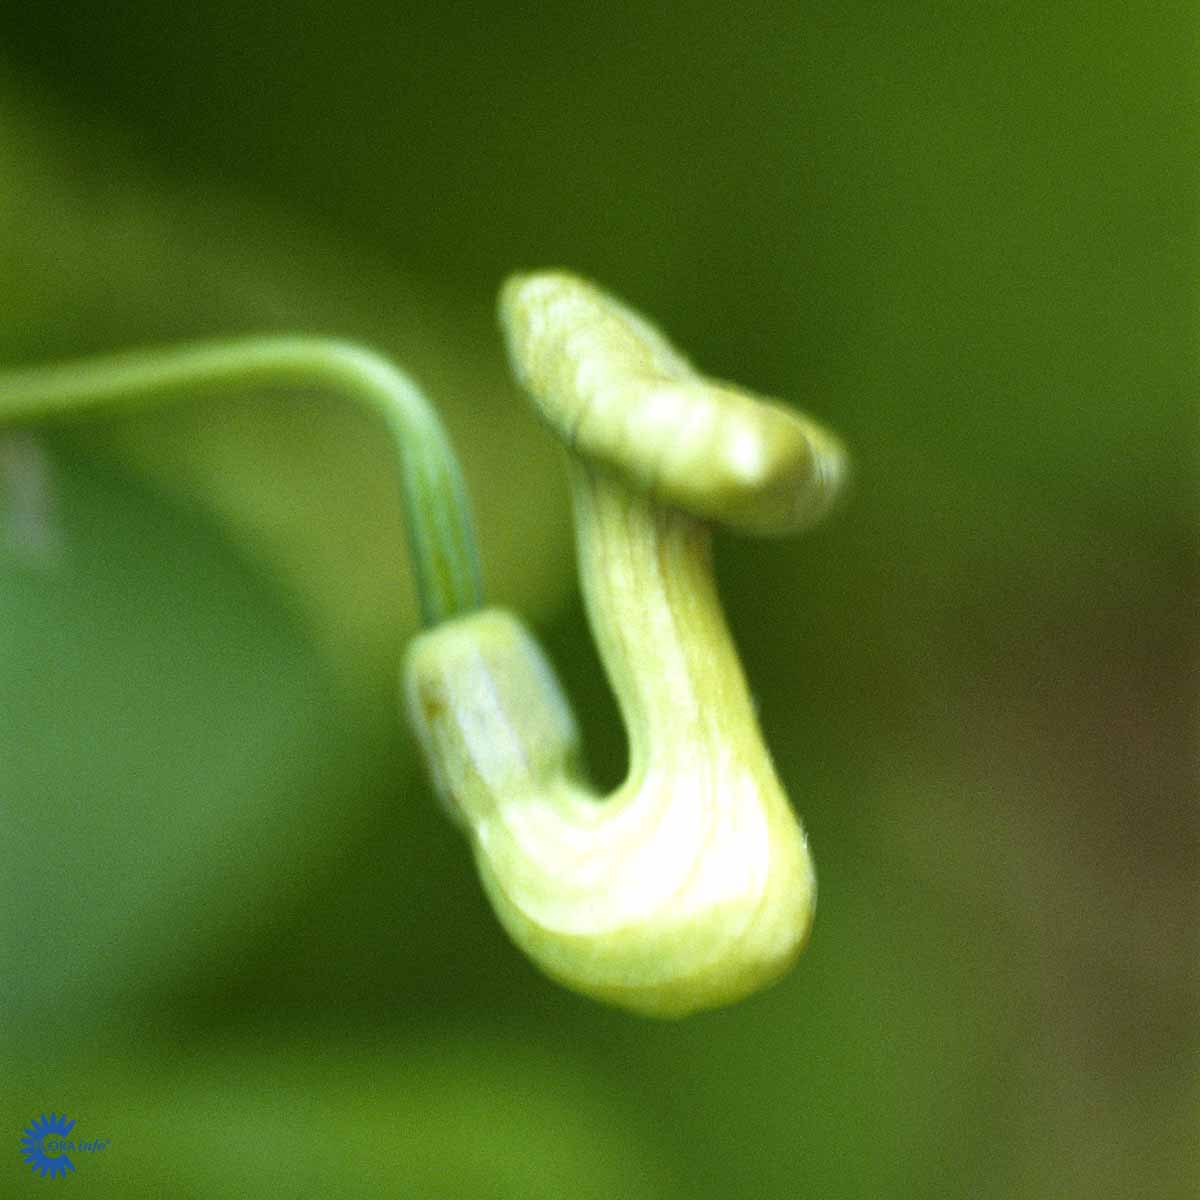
(615, 390)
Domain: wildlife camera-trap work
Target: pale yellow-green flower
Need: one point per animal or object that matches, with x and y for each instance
(691, 885)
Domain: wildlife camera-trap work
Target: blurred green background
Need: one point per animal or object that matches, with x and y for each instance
(238, 938)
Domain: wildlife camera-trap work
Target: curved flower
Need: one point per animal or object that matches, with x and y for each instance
(691, 885)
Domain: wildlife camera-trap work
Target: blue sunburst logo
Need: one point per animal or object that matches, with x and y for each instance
(46, 1160)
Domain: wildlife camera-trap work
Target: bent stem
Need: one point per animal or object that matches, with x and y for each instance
(437, 509)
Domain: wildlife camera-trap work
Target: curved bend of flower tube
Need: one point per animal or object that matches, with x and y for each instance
(691, 886)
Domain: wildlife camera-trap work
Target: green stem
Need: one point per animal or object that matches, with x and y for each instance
(437, 509)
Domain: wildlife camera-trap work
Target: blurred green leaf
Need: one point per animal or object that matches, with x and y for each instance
(173, 756)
